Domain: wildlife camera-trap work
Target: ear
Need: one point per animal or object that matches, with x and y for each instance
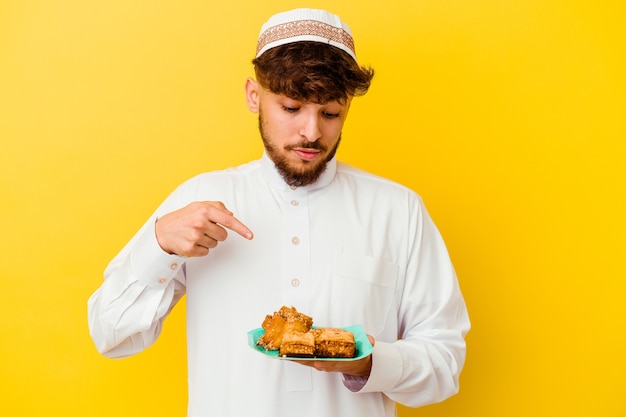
(252, 95)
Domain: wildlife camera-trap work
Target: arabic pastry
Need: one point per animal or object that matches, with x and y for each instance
(299, 344)
(334, 343)
(287, 319)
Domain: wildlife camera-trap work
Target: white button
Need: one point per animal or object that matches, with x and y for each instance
(173, 266)
(295, 282)
(293, 187)
(162, 280)
(294, 202)
(295, 240)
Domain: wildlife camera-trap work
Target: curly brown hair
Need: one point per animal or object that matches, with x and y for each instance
(312, 72)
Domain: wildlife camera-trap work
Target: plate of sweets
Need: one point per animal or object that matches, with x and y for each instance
(290, 334)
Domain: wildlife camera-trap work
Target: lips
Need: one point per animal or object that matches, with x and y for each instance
(307, 154)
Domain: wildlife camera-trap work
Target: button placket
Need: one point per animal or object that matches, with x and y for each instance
(296, 263)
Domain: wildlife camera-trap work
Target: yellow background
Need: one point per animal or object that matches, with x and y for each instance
(508, 117)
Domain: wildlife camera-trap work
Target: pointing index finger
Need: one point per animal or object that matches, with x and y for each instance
(226, 218)
(234, 224)
(241, 228)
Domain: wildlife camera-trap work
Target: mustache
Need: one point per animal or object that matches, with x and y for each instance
(305, 144)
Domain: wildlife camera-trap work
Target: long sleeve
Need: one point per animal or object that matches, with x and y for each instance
(423, 366)
(142, 284)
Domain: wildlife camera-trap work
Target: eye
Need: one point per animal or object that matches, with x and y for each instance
(330, 115)
(290, 109)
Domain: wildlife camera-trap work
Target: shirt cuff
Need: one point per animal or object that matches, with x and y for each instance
(385, 374)
(354, 383)
(151, 265)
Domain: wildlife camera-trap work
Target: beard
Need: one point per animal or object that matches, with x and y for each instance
(297, 176)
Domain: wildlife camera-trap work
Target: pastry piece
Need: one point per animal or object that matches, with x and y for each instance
(300, 321)
(298, 344)
(334, 343)
(273, 326)
(284, 320)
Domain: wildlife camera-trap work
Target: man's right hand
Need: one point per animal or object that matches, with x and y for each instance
(196, 228)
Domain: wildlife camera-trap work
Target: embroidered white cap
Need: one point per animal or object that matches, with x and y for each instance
(305, 25)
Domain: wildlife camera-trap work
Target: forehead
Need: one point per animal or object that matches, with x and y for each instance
(265, 93)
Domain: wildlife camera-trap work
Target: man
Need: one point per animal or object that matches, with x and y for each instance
(337, 243)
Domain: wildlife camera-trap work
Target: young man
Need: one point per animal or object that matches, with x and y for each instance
(339, 244)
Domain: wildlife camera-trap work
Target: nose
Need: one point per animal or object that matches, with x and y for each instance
(311, 127)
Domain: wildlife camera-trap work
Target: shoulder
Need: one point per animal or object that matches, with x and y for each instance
(223, 175)
(360, 179)
(215, 185)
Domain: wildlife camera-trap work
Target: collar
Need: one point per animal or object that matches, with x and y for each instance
(271, 174)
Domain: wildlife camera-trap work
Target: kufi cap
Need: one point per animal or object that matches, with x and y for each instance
(305, 25)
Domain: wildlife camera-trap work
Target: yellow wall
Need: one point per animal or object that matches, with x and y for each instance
(508, 117)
